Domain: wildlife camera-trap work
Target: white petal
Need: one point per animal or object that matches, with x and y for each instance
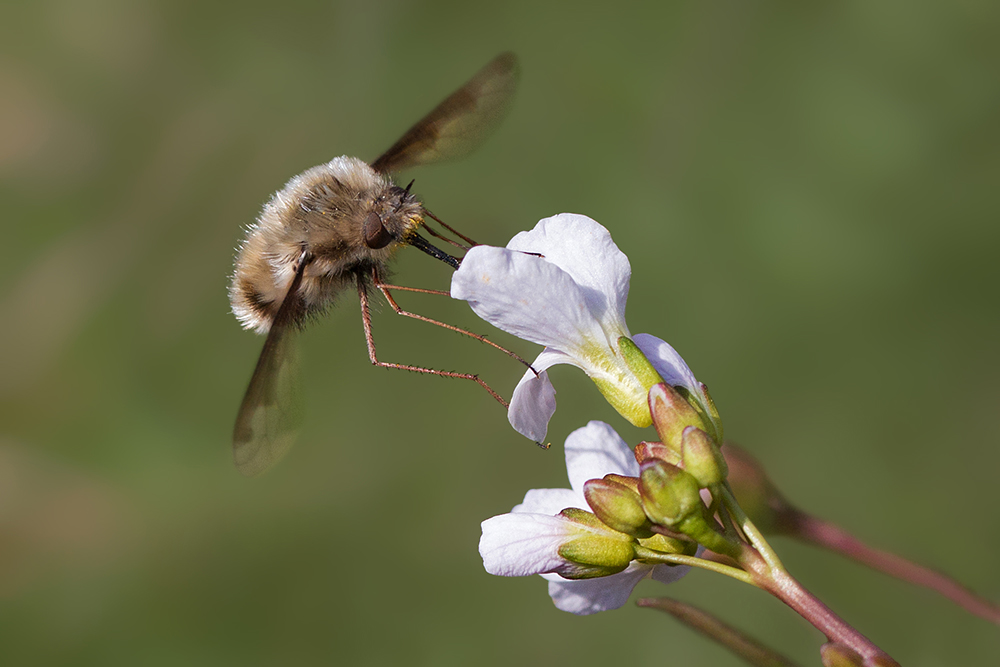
(526, 296)
(589, 596)
(594, 451)
(550, 501)
(583, 248)
(671, 367)
(534, 399)
(517, 545)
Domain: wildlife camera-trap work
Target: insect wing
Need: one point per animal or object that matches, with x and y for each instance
(460, 123)
(271, 412)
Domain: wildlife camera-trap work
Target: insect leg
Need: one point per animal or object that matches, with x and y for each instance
(385, 289)
(451, 229)
(439, 235)
(366, 319)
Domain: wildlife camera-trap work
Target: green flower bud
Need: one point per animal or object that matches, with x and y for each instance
(671, 414)
(702, 457)
(669, 494)
(624, 480)
(656, 450)
(669, 545)
(618, 506)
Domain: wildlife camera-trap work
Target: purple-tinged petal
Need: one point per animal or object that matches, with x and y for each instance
(594, 451)
(518, 545)
(668, 574)
(589, 596)
(534, 399)
(670, 365)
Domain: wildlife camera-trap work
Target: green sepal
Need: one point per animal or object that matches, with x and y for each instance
(638, 363)
(599, 555)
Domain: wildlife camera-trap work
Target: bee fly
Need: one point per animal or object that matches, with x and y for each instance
(334, 226)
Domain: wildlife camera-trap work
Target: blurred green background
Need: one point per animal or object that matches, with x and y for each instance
(809, 198)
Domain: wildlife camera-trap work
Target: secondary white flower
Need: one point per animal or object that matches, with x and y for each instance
(527, 541)
(564, 285)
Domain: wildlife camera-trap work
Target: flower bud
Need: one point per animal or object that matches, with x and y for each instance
(656, 450)
(618, 506)
(669, 495)
(596, 553)
(669, 545)
(624, 480)
(671, 414)
(702, 457)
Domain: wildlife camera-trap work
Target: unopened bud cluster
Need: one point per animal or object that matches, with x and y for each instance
(618, 525)
(662, 510)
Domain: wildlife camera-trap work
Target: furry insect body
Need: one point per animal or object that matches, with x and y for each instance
(334, 226)
(343, 218)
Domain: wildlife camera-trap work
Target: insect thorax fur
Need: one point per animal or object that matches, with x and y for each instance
(322, 213)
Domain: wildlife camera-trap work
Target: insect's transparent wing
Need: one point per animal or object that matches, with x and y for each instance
(459, 124)
(270, 415)
(271, 412)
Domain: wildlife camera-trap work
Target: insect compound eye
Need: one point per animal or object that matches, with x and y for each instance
(375, 233)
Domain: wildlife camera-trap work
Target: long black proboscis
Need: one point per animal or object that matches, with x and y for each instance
(420, 242)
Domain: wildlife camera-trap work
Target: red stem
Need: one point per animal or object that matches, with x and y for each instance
(825, 534)
(784, 587)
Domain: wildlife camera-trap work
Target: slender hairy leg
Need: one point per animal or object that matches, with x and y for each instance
(430, 230)
(366, 319)
(385, 289)
(451, 229)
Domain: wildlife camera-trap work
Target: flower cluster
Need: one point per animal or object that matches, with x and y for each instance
(628, 514)
(590, 566)
(564, 285)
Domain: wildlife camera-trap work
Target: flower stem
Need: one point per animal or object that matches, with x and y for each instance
(760, 560)
(783, 586)
(825, 534)
(750, 530)
(650, 556)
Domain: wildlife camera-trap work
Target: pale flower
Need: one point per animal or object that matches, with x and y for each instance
(564, 285)
(527, 540)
